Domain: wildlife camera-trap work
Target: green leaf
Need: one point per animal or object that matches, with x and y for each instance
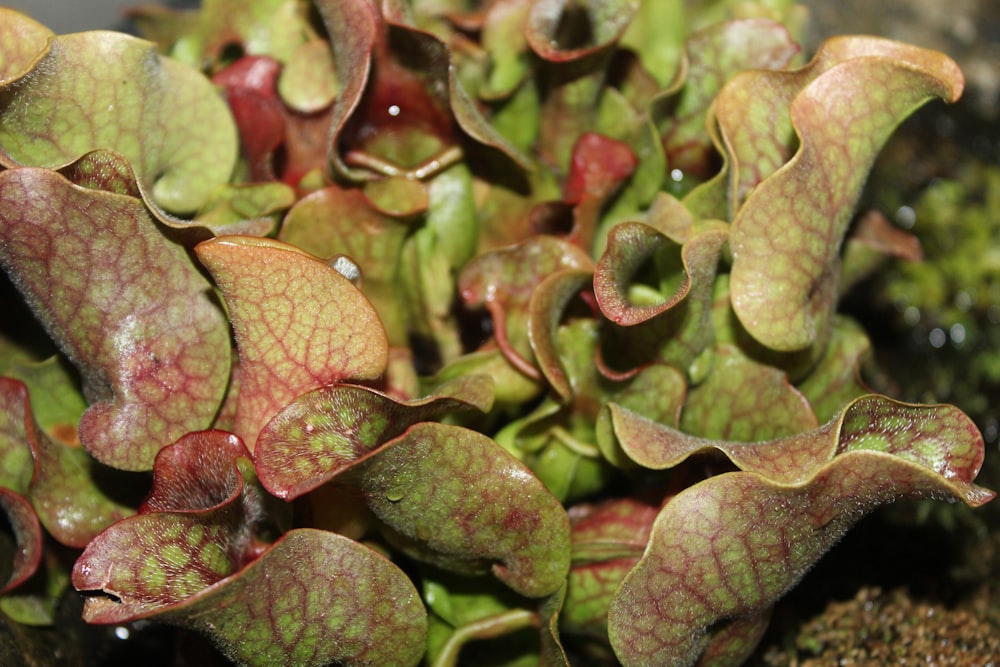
(27, 536)
(125, 304)
(608, 540)
(657, 33)
(784, 284)
(24, 41)
(36, 601)
(16, 464)
(724, 550)
(835, 381)
(58, 403)
(328, 430)
(309, 82)
(299, 324)
(106, 90)
(742, 399)
(452, 497)
(670, 319)
(480, 620)
(713, 56)
(260, 27)
(504, 281)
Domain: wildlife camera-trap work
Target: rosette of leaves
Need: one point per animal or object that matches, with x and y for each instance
(438, 325)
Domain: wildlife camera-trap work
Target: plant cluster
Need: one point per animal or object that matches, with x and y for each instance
(419, 324)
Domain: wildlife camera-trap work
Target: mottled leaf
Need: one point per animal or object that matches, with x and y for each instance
(314, 598)
(752, 109)
(723, 550)
(23, 41)
(106, 171)
(454, 498)
(299, 324)
(106, 90)
(745, 400)
(125, 304)
(504, 281)
(608, 540)
(784, 284)
(334, 221)
(195, 528)
(669, 320)
(713, 56)
(326, 431)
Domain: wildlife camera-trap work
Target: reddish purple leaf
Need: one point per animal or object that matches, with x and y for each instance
(454, 498)
(299, 325)
(126, 305)
(504, 281)
(327, 431)
(724, 550)
(61, 481)
(251, 90)
(27, 536)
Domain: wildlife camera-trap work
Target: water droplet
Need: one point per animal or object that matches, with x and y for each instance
(394, 495)
(906, 217)
(676, 175)
(911, 315)
(394, 110)
(121, 632)
(937, 337)
(957, 333)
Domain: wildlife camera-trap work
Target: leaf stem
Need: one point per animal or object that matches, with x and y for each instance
(487, 628)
